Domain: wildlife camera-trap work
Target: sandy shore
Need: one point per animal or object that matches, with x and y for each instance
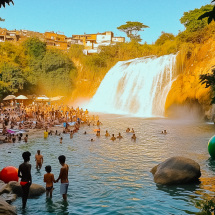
(36, 133)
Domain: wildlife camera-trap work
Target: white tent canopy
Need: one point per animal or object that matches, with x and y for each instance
(42, 98)
(57, 98)
(21, 97)
(9, 97)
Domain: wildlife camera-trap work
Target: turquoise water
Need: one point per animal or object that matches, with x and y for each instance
(114, 177)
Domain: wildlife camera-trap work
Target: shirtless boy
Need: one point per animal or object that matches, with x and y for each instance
(26, 138)
(24, 173)
(49, 179)
(38, 159)
(113, 138)
(63, 177)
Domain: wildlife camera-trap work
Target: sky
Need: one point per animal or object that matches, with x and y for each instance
(93, 16)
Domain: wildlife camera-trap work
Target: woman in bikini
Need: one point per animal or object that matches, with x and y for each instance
(24, 173)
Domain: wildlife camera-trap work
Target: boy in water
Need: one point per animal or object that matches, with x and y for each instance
(49, 179)
(107, 134)
(24, 173)
(38, 159)
(120, 136)
(26, 138)
(113, 138)
(133, 137)
(63, 177)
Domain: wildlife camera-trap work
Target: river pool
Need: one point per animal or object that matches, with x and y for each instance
(114, 177)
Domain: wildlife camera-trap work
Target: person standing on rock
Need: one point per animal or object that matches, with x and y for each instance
(63, 177)
(38, 159)
(24, 173)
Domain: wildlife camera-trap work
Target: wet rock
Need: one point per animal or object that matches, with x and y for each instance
(176, 170)
(6, 209)
(9, 197)
(3, 188)
(35, 189)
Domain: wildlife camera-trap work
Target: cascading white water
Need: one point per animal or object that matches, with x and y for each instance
(138, 87)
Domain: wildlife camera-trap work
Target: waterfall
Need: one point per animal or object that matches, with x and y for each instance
(138, 87)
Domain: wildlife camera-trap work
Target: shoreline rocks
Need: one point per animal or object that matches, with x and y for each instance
(6, 209)
(176, 170)
(9, 193)
(35, 189)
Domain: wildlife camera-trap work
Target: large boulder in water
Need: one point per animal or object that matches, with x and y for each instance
(176, 170)
(35, 189)
(6, 209)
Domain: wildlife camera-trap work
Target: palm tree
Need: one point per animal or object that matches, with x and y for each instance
(210, 15)
(3, 2)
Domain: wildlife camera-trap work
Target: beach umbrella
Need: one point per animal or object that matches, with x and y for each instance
(42, 98)
(21, 97)
(9, 97)
(57, 98)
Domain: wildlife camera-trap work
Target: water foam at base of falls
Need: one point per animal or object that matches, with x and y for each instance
(137, 87)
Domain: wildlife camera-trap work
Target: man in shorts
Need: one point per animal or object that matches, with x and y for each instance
(38, 159)
(63, 177)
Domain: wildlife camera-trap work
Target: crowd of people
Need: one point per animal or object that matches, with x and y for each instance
(19, 120)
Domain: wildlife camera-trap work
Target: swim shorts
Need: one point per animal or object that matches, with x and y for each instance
(64, 188)
(49, 188)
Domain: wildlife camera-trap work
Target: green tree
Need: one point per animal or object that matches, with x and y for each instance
(209, 81)
(3, 2)
(190, 19)
(34, 47)
(132, 29)
(11, 78)
(164, 37)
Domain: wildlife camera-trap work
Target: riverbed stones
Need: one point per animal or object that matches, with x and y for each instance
(6, 209)
(35, 189)
(176, 170)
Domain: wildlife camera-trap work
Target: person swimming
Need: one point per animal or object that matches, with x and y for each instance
(128, 130)
(132, 130)
(133, 137)
(92, 140)
(107, 134)
(61, 139)
(113, 138)
(120, 136)
(85, 132)
(98, 134)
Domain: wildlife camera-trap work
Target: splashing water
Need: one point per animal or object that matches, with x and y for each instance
(138, 87)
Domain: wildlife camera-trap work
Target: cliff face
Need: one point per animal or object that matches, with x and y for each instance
(86, 82)
(186, 91)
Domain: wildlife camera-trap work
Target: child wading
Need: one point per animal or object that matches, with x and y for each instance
(49, 179)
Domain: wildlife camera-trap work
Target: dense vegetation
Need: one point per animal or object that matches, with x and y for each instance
(32, 68)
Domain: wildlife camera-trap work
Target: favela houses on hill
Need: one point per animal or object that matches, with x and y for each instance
(118, 122)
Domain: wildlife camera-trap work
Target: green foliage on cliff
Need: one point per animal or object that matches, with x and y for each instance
(209, 81)
(31, 68)
(190, 19)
